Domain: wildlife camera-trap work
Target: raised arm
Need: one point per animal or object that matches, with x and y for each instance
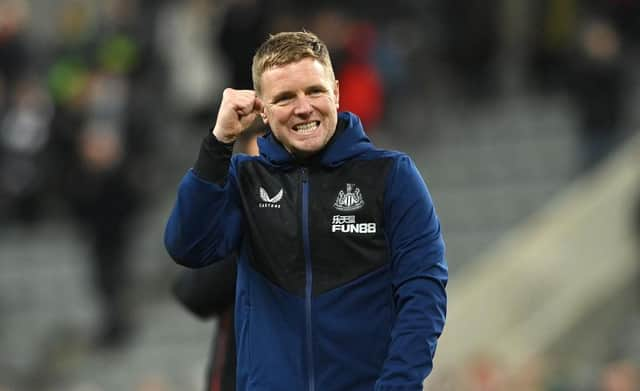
(205, 224)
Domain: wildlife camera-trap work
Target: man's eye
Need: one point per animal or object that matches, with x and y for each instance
(282, 101)
(316, 92)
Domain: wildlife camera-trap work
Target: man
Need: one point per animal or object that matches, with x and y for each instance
(341, 269)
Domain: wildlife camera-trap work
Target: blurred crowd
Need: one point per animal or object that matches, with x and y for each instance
(87, 86)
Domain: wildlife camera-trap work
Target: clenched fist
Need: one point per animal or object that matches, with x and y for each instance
(238, 110)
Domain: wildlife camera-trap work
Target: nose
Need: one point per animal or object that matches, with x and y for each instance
(302, 107)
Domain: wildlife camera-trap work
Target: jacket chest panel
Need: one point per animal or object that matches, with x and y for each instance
(272, 204)
(346, 227)
(347, 222)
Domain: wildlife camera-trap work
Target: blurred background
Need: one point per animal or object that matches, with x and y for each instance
(522, 116)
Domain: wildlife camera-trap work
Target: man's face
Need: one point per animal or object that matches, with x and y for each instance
(300, 105)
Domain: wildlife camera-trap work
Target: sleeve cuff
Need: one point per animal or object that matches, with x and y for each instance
(213, 160)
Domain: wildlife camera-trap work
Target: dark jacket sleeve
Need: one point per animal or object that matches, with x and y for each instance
(205, 224)
(209, 291)
(213, 160)
(419, 278)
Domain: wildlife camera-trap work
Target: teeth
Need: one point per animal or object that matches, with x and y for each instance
(306, 128)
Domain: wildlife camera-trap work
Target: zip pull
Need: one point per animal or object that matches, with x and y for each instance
(304, 174)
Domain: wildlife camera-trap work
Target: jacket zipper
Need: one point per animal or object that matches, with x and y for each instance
(309, 276)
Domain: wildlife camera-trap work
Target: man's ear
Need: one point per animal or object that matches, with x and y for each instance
(336, 92)
(263, 109)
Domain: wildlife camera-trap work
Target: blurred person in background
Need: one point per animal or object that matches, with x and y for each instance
(25, 154)
(598, 87)
(210, 293)
(25, 114)
(103, 199)
(100, 125)
(14, 54)
(361, 87)
(276, 210)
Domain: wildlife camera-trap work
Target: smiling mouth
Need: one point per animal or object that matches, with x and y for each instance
(307, 127)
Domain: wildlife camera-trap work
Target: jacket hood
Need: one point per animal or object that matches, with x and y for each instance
(348, 141)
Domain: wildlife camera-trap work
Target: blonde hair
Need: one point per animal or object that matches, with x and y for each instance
(288, 47)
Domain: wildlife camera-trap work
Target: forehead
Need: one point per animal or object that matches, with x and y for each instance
(295, 75)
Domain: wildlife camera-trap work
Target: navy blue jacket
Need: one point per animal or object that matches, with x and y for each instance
(341, 267)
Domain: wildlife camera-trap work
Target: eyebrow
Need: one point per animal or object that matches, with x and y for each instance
(282, 95)
(316, 87)
(288, 94)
